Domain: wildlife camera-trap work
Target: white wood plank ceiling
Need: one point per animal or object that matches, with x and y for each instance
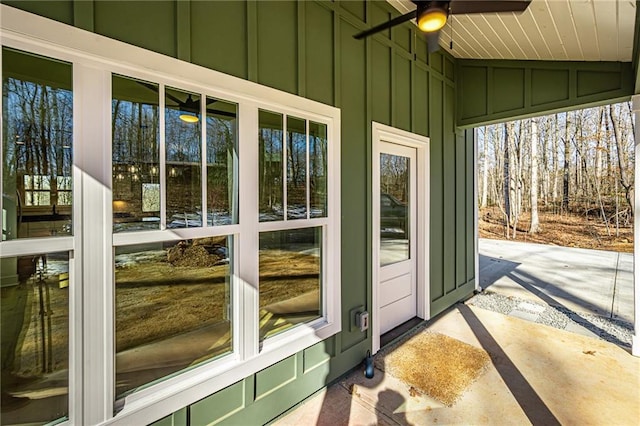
(549, 30)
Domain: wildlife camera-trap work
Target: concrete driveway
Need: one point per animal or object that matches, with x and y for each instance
(585, 281)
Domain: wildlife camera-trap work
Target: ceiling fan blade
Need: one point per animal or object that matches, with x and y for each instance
(433, 40)
(488, 6)
(385, 25)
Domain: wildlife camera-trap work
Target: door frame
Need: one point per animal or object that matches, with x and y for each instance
(383, 133)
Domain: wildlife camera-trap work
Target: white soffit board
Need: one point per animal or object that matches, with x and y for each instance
(549, 30)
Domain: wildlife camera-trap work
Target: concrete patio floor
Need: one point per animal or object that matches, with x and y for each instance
(538, 375)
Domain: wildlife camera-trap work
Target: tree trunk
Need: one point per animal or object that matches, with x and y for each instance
(485, 167)
(624, 177)
(535, 223)
(567, 159)
(506, 180)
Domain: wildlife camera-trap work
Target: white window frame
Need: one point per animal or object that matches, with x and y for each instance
(95, 58)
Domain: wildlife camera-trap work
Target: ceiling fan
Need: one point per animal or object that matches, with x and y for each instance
(431, 16)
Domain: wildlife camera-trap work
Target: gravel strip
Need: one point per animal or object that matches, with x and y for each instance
(610, 329)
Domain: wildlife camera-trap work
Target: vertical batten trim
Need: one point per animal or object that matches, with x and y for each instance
(302, 48)
(183, 30)
(252, 40)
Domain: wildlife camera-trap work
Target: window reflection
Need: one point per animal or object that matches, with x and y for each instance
(394, 211)
(172, 308)
(290, 278)
(35, 338)
(37, 154)
(296, 168)
(222, 162)
(184, 159)
(136, 167)
(318, 169)
(270, 166)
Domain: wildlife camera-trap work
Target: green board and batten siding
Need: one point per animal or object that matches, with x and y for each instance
(307, 48)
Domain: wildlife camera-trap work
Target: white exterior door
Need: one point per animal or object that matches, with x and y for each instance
(397, 274)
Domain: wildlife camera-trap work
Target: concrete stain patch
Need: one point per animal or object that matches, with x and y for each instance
(434, 364)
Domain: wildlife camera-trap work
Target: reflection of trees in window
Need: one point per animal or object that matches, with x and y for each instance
(37, 144)
(221, 163)
(296, 169)
(135, 153)
(270, 171)
(318, 169)
(394, 177)
(184, 157)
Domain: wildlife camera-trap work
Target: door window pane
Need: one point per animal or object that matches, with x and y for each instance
(290, 278)
(136, 166)
(37, 102)
(318, 169)
(35, 338)
(172, 308)
(222, 162)
(394, 208)
(270, 166)
(184, 159)
(296, 168)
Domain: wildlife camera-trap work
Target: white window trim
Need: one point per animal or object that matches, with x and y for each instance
(94, 59)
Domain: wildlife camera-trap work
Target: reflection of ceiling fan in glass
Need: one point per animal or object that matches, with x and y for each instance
(190, 106)
(431, 16)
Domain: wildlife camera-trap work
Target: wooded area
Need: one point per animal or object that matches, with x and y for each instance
(570, 165)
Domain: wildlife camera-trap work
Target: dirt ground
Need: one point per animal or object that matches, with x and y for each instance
(567, 230)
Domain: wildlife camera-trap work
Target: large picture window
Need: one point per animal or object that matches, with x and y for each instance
(166, 230)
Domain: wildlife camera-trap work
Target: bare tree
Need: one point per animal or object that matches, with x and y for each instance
(535, 222)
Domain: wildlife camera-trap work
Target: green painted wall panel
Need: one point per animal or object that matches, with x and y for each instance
(448, 190)
(508, 89)
(551, 86)
(319, 66)
(474, 102)
(435, 61)
(436, 134)
(276, 376)
(218, 406)
(354, 176)
(421, 49)
(449, 68)
(379, 13)
(402, 36)
(317, 355)
(148, 24)
(402, 98)
(179, 418)
(219, 36)
(381, 82)
(520, 89)
(420, 95)
(593, 83)
(277, 45)
(462, 212)
(356, 8)
(57, 10)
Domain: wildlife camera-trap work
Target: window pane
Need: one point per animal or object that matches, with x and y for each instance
(290, 278)
(296, 168)
(37, 103)
(270, 168)
(394, 208)
(172, 308)
(184, 159)
(222, 162)
(136, 153)
(35, 338)
(318, 169)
